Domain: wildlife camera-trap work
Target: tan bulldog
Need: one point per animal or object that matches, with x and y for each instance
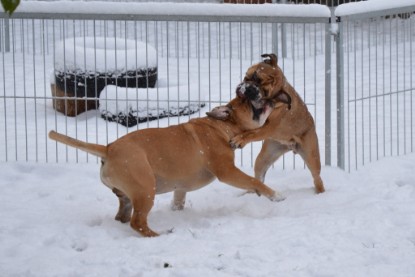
(288, 128)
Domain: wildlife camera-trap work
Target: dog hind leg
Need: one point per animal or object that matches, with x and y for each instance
(179, 200)
(310, 153)
(142, 206)
(124, 211)
(139, 184)
(270, 152)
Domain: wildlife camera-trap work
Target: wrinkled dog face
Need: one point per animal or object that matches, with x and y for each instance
(264, 81)
(256, 97)
(265, 77)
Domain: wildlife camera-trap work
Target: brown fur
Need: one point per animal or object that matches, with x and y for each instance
(287, 128)
(178, 158)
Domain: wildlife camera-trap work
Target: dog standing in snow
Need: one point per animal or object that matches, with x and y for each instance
(178, 158)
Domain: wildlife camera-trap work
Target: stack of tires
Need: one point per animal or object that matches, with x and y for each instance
(84, 66)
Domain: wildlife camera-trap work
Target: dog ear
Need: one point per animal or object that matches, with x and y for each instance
(283, 97)
(270, 59)
(221, 112)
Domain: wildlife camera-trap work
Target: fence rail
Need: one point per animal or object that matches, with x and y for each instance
(203, 51)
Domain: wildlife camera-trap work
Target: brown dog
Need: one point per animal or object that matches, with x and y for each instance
(289, 128)
(178, 158)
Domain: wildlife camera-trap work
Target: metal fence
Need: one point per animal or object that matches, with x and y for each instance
(375, 85)
(201, 57)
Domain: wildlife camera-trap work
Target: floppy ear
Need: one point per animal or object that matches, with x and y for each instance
(283, 97)
(270, 59)
(221, 112)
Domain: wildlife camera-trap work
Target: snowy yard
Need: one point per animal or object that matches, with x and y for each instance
(57, 219)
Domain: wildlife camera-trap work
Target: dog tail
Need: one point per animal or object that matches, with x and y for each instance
(91, 148)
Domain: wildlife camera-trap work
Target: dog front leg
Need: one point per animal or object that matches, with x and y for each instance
(243, 139)
(235, 177)
(179, 200)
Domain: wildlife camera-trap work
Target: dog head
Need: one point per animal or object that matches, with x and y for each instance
(249, 110)
(266, 79)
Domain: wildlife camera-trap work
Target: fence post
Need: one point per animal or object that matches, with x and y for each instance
(328, 94)
(340, 94)
(275, 38)
(274, 35)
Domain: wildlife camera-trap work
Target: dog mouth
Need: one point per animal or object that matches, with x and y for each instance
(260, 108)
(252, 92)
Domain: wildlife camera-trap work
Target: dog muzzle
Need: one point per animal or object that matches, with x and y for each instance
(250, 91)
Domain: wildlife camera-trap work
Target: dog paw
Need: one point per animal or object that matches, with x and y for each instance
(277, 197)
(176, 207)
(237, 142)
(123, 218)
(233, 145)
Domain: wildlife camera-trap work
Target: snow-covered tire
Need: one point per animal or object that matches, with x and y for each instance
(85, 65)
(129, 107)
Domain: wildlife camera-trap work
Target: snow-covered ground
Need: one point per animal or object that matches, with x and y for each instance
(57, 219)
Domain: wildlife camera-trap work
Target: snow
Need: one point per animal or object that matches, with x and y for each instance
(204, 9)
(103, 54)
(58, 219)
(117, 99)
(371, 6)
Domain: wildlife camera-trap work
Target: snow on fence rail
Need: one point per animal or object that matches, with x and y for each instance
(202, 53)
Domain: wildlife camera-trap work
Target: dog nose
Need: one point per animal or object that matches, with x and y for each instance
(248, 90)
(252, 92)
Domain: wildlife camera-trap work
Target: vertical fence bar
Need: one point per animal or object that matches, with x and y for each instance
(377, 92)
(14, 46)
(274, 38)
(411, 82)
(2, 44)
(27, 44)
(284, 40)
(362, 112)
(45, 83)
(6, 23)
(340, 94)
(327, 71)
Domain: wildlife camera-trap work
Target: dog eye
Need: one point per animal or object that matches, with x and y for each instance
(255, 78)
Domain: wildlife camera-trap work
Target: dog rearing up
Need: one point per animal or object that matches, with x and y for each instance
(286, 129)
